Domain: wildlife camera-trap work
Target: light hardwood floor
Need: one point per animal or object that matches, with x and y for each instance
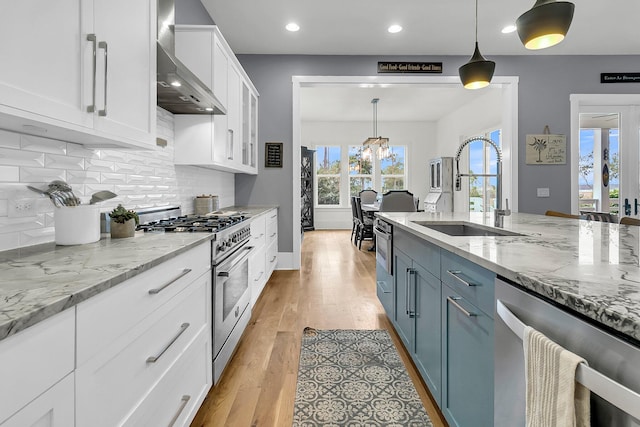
(334, 289)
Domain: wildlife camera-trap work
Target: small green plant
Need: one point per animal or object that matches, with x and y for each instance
(122, 215)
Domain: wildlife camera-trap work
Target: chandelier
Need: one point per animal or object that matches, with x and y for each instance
(376, 144)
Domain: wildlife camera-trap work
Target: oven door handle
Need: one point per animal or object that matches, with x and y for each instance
(382, 234)
(232, 262)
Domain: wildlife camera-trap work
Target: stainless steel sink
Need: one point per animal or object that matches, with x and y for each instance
(465, 229)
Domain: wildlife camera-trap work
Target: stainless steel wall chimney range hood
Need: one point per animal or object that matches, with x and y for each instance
(179, 90)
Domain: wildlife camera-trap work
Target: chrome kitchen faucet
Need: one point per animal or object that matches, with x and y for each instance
(499, 213)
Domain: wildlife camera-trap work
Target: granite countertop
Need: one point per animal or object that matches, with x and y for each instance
(589, 267)
(37, 282)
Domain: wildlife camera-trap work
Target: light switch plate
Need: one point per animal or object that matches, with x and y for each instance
(543, 192)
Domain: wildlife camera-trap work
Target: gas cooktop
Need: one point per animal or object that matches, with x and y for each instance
(194, 223)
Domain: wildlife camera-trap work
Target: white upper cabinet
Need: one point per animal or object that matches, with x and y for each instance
(79, 70)
(224, 142)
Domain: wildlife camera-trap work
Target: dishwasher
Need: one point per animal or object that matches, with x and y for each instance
(609, 358)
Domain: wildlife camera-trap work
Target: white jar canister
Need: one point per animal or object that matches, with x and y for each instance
(77, 225)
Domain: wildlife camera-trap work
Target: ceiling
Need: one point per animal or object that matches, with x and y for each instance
(431, 27)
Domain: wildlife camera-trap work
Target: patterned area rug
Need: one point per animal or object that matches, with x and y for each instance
(354, 378)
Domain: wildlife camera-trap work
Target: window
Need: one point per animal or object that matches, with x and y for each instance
(328, 175)
(392, 170)
(360, 171)
(483, 161)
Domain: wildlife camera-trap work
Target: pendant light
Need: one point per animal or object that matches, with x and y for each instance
(545, 24)
(477, 73)
(375, 143)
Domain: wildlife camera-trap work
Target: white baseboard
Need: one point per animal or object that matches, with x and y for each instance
(285, 261)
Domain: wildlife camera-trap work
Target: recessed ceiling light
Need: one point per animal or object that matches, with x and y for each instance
(509, 29)
(292, 26)
(176, 83)
(208, 109)
(394, 28)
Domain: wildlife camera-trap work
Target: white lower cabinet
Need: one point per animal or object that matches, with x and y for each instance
(263, 260)
(32, 362)
(272, 241)
(54, 408)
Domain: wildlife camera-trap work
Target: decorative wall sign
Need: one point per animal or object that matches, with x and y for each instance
(410, 67)
(546, 149)
(619, 77)
(273, 154)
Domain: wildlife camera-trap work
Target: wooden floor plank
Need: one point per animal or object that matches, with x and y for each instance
(334, 289)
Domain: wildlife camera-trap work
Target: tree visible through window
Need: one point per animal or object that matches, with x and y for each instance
(392, 169)
(360, 171)
(328, 175)
(482, 161)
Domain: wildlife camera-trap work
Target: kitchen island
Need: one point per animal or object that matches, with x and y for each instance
(588, 267)
(576, 281)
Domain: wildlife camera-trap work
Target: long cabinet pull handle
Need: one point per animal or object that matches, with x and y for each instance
(154, 359)
(273, 235)
(103, 45)
(455, 273)
(274, 258)
(230, 144)
(92, 38)
(406, 291)
(414, 312)
(258, 278)
(454, 302)
(172, 281)
(183, 403)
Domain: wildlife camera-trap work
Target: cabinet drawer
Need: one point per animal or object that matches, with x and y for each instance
(474, 283)
(258, 231)
(109, 385)
(54, 408)
(422, 252)
(111, 314)
(384, 290)
(272, 226)
(179, 394)
(272, 258)
(33, 360)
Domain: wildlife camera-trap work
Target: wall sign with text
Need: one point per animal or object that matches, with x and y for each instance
(546, 149)
(273, 154)
(410, 67)
(619, 77)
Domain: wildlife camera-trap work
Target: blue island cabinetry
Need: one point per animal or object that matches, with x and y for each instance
(443, 312)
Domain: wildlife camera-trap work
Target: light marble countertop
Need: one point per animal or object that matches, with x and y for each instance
(587, 266)
(37, 282)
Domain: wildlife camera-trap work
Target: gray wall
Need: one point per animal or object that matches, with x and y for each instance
(192, 12)
(546, 81)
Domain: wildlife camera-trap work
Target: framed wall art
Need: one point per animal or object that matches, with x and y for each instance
(273, 154)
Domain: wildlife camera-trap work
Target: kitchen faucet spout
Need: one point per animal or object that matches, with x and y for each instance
(498, 212)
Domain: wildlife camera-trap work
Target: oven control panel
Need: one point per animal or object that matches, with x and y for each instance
(231, 239)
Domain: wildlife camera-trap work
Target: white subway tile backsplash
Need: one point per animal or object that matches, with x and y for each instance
(42, 145)
(9, 139)
(9, 174)
(113, 178)
(41, 174)
(57, 161)
(99, 165)
(139, 178)
(11, 157)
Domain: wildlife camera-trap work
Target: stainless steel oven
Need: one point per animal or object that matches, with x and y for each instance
(384, 244)
(231, 293)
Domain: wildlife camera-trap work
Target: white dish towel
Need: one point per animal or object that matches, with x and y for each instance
(554, 398)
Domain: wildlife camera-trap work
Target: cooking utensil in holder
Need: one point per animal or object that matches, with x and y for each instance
(77, 225)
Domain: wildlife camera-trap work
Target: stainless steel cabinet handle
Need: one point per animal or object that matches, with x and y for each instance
(258, 278)
(183, 403)
(412, 285)
(103, 45)
(455, 273)
(274, 258)
(406, 291)
(161, 288)
(92, 38)
(454, 302)
(154, 359)
(273, 235)
(230, 144)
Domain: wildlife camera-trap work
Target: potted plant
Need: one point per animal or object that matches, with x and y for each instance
(123, 222)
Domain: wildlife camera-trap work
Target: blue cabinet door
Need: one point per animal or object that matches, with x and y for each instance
(402, 321)
(384, 290)
(467, 362)
(428, 330)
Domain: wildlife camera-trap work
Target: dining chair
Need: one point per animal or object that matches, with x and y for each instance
(368, 196)
(355, 226)
(627, 220)
(398, 201)
(561, 214)
(599, 216)
(365, 225)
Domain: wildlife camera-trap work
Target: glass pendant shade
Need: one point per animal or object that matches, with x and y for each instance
(545, 24)
(375, 143)
(477, 73)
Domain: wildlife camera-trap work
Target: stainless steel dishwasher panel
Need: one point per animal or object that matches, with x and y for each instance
(611, 356)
